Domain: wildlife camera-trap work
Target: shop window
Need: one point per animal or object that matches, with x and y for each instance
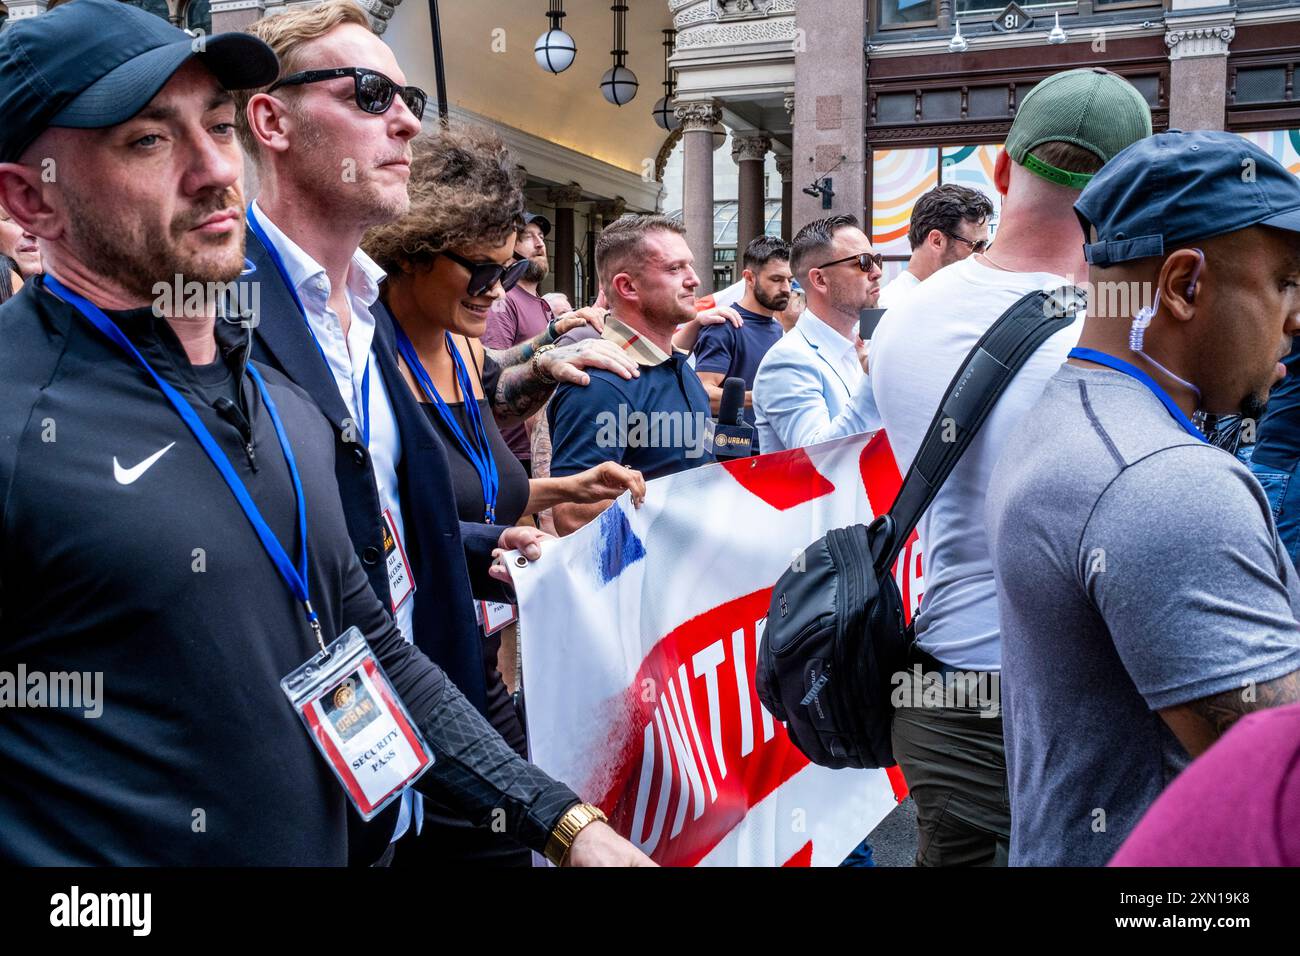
(901, 176)
(1265, 84)
(894, 13)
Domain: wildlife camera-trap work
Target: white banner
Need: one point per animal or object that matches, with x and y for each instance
(639, 638)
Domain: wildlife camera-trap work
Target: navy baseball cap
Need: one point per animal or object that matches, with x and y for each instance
(91, 64)
(542, 223)
(1174, 188)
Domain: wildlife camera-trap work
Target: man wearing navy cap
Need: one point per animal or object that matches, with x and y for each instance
(1065, 130)
(1146, 600)
(133, 433)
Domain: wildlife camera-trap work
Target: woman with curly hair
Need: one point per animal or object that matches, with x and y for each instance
(447, 262)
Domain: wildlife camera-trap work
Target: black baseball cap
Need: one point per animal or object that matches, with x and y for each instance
(542, 223)
(91, 64)
(1174, 188)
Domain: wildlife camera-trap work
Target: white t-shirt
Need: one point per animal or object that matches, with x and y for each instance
(917, 349)
(897, 290)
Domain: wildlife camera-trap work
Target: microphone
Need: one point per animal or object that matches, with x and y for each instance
(733, 437)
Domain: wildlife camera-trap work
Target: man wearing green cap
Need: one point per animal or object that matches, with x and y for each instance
(953, 757)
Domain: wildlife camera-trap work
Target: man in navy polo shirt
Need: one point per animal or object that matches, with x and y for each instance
(657, 421)
(725, 351)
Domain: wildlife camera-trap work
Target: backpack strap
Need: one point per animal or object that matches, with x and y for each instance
(985, 374)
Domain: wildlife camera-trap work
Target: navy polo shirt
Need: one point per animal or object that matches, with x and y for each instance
(737, 352)
(656, 423)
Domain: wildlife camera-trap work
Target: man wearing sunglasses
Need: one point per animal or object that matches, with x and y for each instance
(949, 223)
(812, 385)
(332, 143)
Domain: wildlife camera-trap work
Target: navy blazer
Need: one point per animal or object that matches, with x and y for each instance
(449, 558)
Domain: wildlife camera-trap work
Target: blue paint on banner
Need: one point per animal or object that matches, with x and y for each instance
(619, 545)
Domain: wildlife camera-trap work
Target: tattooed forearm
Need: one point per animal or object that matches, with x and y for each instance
(1223, 710)
(541, 447)
(522, 353)
(520, 393)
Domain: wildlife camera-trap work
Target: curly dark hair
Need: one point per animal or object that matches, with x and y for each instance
(465, 189)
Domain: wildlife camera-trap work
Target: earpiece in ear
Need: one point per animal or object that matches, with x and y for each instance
(1143, 319)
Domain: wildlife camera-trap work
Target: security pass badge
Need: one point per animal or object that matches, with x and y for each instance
(358, 723)
(401, 583)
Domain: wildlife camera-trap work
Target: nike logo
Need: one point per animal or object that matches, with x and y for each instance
(127, 476)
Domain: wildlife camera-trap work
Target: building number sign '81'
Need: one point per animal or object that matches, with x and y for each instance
(1012, 19)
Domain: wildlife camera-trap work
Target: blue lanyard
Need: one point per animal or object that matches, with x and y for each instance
(1119, 365)
(294, 576)
(479, 452)
(278, 262)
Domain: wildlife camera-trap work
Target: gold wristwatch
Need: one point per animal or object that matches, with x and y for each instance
(577, 818)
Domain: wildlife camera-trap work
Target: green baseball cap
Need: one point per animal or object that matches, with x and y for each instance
(1092, 108)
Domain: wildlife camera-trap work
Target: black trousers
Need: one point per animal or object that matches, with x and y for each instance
(448, 840)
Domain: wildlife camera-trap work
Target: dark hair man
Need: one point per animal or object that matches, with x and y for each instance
(136, 413)
(953, 756)
(724, 351)
(949, 223)
(1146, 600)
(657, 422)
(812, 385)
(523, 314)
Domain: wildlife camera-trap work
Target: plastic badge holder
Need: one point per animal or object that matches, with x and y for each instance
(358, 723)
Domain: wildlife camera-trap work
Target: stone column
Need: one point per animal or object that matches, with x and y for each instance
(750, 150)
(785, 166)
(698, 120)
(563, 199)
(830, 118)
(229, 16)
(1198, 69)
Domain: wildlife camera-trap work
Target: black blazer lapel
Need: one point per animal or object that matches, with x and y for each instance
(282, 331)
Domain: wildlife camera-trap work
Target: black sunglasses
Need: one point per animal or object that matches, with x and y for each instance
(865, 261)
(484, 275)
(374, 91)
(976, 245)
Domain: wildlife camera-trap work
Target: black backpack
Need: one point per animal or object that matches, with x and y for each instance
(836, 632)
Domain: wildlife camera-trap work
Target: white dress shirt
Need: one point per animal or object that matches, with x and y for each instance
(348, 358)
(810, 388)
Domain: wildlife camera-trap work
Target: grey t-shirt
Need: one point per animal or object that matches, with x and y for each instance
(1138, 568)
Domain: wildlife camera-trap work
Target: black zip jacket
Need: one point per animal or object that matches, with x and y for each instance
(154, 579)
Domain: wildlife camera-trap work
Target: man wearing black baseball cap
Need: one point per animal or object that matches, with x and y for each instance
(133, 433)
(1146, 600)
